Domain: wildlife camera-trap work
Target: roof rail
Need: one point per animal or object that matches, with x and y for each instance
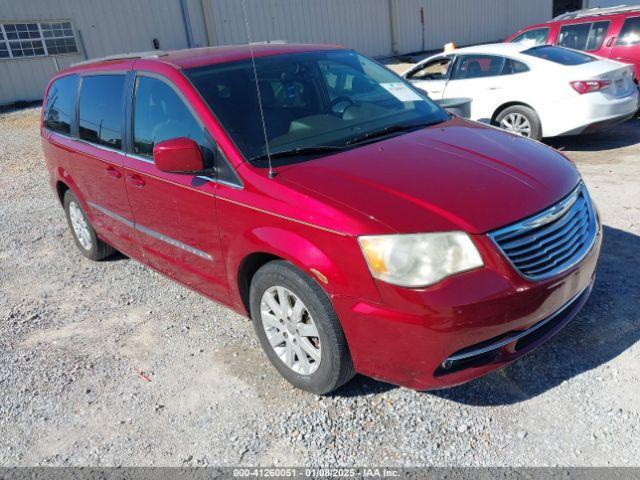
(597, 11)
(124, 56)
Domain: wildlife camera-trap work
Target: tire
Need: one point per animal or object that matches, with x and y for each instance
(83, 233)
(335, 368)
(513, 114)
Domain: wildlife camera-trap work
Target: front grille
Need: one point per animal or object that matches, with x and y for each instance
(552, 241)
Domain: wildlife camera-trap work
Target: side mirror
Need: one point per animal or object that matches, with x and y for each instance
(178, 155)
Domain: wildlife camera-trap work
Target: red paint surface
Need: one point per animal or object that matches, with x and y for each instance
(455, 176)
(608, 49)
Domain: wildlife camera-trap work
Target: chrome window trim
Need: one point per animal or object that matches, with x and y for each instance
(152, 233)
(545, 217)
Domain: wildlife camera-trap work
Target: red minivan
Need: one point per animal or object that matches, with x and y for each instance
(608, 32)
(359, 225)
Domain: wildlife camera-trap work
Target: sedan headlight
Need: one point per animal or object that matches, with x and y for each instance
(419, 260)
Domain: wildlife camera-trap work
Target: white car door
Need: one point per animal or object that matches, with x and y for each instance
(431, 75)
(486, 79)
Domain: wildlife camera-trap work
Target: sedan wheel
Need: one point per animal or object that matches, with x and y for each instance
(517, 123)
(290, 329)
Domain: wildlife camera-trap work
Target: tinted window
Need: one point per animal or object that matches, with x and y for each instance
(534, 37)
(561, 56)
(101, 110)
(630, 33)
(478, 66)
(433, 70)
(61, 101)
(597, 34)
(324, 99)
(514, 66)
(583, 36)
(160, 114)
(574, 36)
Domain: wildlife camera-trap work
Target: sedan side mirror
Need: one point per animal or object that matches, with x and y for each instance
(178, 155)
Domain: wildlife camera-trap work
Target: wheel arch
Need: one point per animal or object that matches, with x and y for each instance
(261, 245)
(247, 270)
(506, 105)
(61, 189)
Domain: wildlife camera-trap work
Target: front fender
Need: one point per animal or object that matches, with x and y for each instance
(334, 261)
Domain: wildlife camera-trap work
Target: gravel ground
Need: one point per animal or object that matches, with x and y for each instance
(112, 364)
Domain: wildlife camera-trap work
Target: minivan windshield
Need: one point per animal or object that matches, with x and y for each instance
(313, 103)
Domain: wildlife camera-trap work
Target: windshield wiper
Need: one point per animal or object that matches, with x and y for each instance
(388, 131)
(294, 152)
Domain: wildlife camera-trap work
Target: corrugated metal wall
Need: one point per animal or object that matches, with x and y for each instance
(361, 24)
(365, 24)
(106, 27)
(470, 22)
(117, 26)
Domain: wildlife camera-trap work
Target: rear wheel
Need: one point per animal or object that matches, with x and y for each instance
(83, 233)
(521, 120)
(298, 329)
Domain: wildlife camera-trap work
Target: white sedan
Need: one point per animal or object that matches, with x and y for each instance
(540, 91)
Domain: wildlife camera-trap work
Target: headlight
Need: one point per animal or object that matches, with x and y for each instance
(419, 260)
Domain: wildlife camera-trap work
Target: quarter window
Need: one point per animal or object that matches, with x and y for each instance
(534, 37)
(101, 110)
(160, 114)
(630, 33)
(19, 40)
(60, 104)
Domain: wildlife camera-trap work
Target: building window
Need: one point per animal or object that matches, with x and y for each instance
(19, 40)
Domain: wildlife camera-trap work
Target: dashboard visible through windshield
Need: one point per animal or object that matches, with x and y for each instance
(313, 103)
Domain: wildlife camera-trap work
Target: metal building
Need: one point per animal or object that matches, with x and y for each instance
(37, 37)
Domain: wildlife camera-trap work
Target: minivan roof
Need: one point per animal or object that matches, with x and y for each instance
(195, 57)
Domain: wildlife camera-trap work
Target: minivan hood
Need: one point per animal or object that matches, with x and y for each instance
(458, 175)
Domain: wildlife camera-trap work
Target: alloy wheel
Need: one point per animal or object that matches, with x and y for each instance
(80, 225)
(517, 123)
(290, 330)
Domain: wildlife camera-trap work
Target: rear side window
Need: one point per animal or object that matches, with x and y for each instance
(101, 110)
(160, 114)
(630, 33)
(537, 36)
(478, 66)
(561, 56)
(583, 36)
(61, 101)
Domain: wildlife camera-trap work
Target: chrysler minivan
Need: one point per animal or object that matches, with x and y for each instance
(361, 227)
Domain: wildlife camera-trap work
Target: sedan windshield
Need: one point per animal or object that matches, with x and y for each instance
(313, 103)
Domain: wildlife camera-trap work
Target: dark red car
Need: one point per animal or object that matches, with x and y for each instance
(360, 226)
(608, 32)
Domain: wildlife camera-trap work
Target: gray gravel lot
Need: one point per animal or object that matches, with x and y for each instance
(112, 364)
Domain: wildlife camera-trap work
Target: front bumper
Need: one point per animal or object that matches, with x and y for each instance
(412, 337)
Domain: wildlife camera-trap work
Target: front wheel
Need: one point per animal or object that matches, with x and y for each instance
(521, 120)
(298, 329)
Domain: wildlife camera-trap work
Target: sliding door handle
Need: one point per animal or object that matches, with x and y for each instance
(113, 172)
(137, 180)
